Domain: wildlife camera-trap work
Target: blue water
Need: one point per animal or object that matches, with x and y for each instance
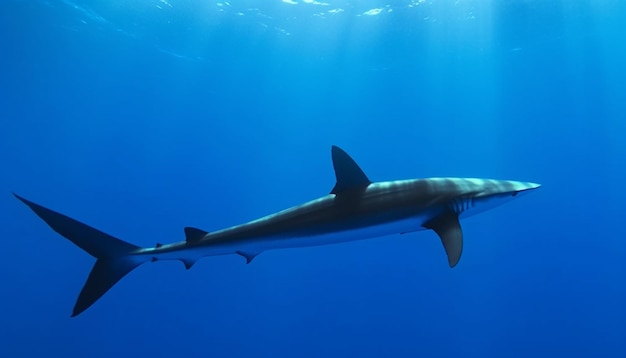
(142, 117)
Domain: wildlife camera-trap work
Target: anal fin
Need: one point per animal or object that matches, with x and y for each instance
(249, 256)
(448, 228)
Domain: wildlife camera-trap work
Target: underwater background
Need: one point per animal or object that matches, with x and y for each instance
(142, 117)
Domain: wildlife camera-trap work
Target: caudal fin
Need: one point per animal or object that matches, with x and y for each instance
(114, 257)
(104, 274)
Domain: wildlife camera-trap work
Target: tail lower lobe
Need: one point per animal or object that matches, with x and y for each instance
(114, 257)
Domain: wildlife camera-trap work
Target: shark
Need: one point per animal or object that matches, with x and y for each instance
(356, 208)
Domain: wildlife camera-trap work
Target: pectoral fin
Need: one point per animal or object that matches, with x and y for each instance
(448, 228)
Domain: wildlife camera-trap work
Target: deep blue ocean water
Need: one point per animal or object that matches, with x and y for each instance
(142, 117)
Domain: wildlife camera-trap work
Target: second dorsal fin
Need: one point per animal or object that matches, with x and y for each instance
(349, 175)
(193, 235)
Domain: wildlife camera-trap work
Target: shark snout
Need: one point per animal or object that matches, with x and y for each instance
(523, 187)
(529, 186)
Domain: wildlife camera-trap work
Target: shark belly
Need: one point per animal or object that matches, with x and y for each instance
(298, 239)
(336, 237)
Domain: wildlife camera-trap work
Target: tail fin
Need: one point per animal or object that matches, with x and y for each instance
(115, 257)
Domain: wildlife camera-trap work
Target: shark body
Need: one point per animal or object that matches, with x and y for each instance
(355, 209)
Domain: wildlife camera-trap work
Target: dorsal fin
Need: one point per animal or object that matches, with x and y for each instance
(349, 175)
(193, 235)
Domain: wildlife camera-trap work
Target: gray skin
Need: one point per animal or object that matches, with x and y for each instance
(355, 209)
(384, 208)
